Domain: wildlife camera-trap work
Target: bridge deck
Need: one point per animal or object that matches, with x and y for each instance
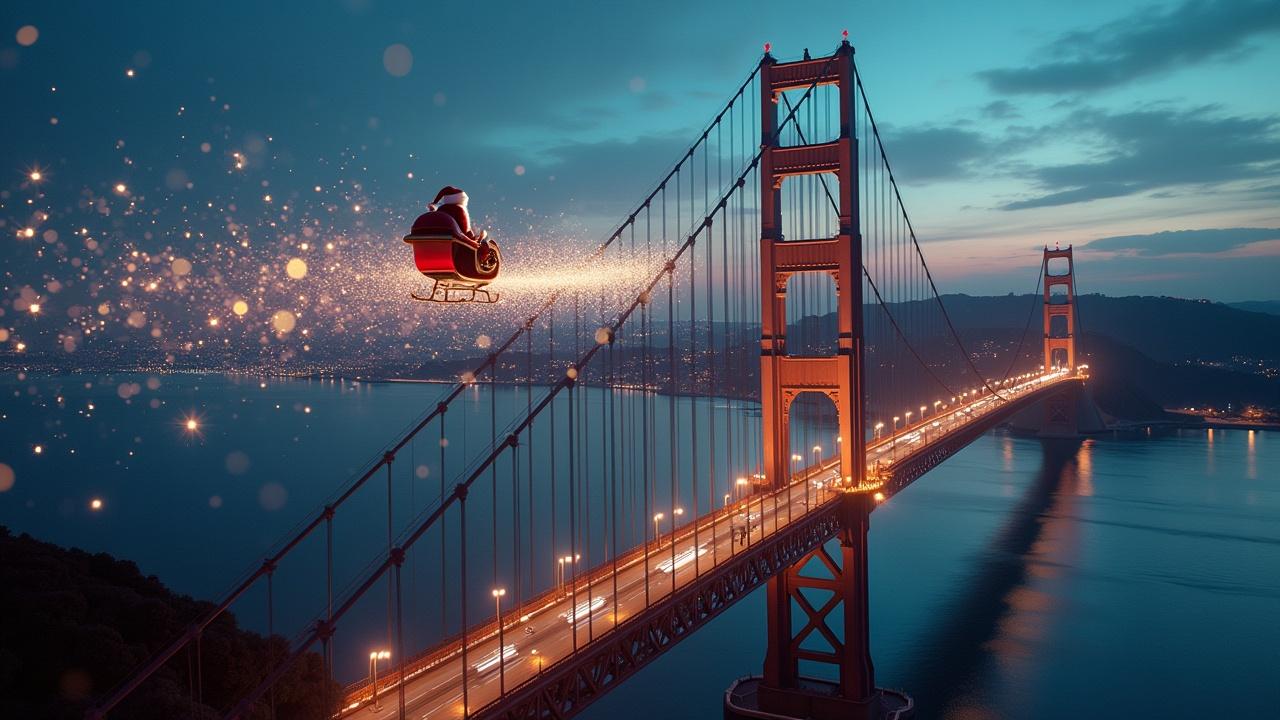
(649, 577)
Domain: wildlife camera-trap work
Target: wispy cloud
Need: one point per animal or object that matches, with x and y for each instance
(1150, 149)
(1183, 242)
(1145, 43)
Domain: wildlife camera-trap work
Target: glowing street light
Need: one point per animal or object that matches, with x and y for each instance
(498, 594)
(374, 657)
(878, 428)
(657, 519)
(560, 563)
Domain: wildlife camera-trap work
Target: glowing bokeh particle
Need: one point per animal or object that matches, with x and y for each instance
(35, 308)
(27, 35)
(296, 268)
(398, 60)
(121, 188)
(283, 321)
(95, 504)
(36, 176)
(240, 307)
(7, 478)
(180, 267)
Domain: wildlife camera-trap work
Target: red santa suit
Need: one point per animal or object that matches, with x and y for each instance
(453, 202)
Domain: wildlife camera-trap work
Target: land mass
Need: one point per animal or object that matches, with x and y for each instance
(76, 624)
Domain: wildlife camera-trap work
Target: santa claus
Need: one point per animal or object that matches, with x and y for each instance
(453, 202)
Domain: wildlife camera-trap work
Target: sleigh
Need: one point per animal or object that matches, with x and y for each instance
(458, 266)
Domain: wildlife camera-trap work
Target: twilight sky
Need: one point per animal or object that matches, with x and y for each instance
(1148, 133)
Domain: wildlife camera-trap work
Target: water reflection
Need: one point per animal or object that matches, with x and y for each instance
(1251, 456)
(1000, 613)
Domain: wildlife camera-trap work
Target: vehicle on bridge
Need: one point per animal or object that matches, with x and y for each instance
(683, 558)
(491, 661)
(583, 609)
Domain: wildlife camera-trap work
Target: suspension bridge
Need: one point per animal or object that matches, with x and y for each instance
(626, 465)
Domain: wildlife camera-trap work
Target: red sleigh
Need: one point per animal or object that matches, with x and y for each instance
(458, 266)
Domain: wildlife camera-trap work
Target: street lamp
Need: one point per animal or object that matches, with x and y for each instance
(726, 500)
(878, 427)
(534, 652)
(922, 407)
(560, 563)
(893, 446)
(656, 519)
(374, 657)
(740, 483)
(497, 606)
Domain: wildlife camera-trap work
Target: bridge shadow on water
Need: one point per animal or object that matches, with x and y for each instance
(955, 674)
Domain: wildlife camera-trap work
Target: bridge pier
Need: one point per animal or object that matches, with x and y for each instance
(821, 589)
(747, 699)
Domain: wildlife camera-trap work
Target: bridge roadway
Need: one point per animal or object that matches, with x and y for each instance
(539, 634)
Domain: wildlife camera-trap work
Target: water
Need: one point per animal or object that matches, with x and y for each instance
(1135, 577)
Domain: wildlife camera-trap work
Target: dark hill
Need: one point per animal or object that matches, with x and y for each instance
(73, 625)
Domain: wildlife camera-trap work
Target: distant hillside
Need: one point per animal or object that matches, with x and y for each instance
(73, 625)
(1128, 384)
(1165, 329)
(1270, 307)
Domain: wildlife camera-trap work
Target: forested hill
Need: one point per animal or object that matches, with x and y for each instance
(74, 624)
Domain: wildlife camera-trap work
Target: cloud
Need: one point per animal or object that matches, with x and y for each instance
(1156, 148)
(1144, 43)
(1000, 110)
(923, 154)
(1181, 242)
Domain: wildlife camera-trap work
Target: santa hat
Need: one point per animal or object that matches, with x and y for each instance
(448, 195)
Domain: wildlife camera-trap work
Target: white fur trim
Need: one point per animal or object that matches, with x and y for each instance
(431, 207)
(458, 198)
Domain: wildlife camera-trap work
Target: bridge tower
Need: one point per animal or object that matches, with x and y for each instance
(1059, 344)
(782, 691)
(1062, 416)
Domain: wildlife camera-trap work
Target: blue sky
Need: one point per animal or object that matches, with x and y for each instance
(1010, 124)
